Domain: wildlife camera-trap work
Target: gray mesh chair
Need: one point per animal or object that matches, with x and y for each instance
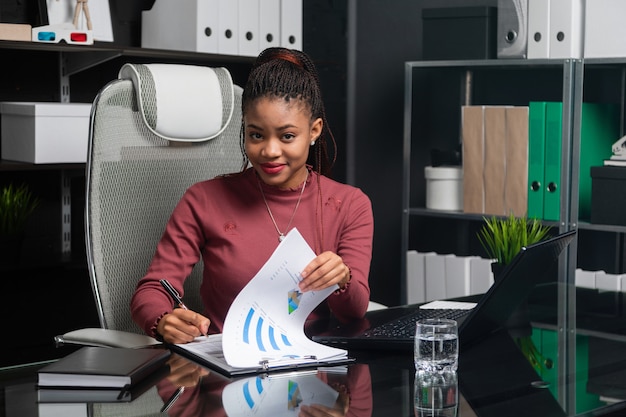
(155, 131)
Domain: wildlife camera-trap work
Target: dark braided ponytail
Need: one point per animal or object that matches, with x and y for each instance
(291, 75)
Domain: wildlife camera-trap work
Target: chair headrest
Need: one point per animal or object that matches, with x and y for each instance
(183, 103)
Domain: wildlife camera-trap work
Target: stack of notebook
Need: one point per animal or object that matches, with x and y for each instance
(98, 374)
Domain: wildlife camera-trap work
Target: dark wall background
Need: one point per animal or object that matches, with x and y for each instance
(383, 35)
(325, 32)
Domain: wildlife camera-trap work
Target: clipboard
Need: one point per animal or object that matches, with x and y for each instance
(207, 351)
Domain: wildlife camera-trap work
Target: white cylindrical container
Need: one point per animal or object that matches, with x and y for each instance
(444, 188)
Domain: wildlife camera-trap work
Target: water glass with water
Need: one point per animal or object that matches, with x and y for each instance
(436, 345)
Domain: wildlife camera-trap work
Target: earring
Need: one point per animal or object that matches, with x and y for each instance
(312, 142)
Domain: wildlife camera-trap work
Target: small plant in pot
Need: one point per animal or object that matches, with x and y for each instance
(17, 204)
(503, 238)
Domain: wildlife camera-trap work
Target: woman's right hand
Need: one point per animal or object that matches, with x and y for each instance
(182, 326)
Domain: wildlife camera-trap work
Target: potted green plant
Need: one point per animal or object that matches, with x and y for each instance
(17, 203)
(503, 237)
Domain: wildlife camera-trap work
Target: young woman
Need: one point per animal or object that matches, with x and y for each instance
(234, 222)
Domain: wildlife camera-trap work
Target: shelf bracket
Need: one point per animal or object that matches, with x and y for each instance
(66, 212)
(64, 80)
(75, 63)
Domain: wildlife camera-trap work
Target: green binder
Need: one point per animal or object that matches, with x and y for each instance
(599, 130)
(552, 170)
(536, 157)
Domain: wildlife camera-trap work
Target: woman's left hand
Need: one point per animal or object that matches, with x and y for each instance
(325, 270)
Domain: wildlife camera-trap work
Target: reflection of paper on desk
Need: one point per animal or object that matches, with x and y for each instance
(276, 395)
(264, 327)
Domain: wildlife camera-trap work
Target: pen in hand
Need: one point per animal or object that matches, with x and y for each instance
(173, 293)
(175, 296)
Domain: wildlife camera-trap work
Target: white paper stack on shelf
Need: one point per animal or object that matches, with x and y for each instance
(619, 153)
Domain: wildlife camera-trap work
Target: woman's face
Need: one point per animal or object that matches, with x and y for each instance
(278, 136)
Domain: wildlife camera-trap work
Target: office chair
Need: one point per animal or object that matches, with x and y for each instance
(154, 131)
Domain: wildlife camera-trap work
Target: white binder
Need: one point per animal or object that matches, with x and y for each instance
(269, 24)
(584, 278)
(566, 28)
(291, 24)
(249, 27)
(481, 276)
(512, 28)
(458, 275)
(435, 275)
(538, 29)
(228, 30)
(183, 26)
(415, 281)
(609, 282)
(605, 30)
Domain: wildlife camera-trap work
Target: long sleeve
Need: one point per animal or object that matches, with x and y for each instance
(176, 254)
(224, 222)
(355, 248)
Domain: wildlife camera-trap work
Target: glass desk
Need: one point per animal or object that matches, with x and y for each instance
(495, 378)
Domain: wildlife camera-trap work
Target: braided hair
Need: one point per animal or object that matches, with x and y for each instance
(291, 75)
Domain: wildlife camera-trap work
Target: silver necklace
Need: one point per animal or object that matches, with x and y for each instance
(281, 235)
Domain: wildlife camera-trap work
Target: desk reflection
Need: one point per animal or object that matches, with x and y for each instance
(436, 394)
(336, 391)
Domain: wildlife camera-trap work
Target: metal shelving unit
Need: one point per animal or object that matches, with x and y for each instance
(489, 82)
(469, 77)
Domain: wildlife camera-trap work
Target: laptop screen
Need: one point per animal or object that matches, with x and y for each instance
(534, 265)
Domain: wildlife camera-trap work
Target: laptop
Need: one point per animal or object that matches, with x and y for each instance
(394, 327)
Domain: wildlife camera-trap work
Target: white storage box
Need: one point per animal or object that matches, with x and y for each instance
(605, 29)
(190, 25)
(444, 188)
(45, 133)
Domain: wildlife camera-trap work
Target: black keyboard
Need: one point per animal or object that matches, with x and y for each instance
(404, 327)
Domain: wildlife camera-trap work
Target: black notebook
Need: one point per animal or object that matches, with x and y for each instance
(101, 395)
(394, 328)
(103, 367)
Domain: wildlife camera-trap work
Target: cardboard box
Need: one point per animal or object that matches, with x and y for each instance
(608, 195)
(459, 33)
(44, 133)
(15, 32)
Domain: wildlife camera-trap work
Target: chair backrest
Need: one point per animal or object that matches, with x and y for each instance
(153, 132)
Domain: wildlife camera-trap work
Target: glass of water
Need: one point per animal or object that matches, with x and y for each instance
(436, 345)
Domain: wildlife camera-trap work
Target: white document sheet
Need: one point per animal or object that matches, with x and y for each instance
(264, 327)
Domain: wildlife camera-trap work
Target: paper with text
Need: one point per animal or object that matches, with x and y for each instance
(264, 326)
(266, 320)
